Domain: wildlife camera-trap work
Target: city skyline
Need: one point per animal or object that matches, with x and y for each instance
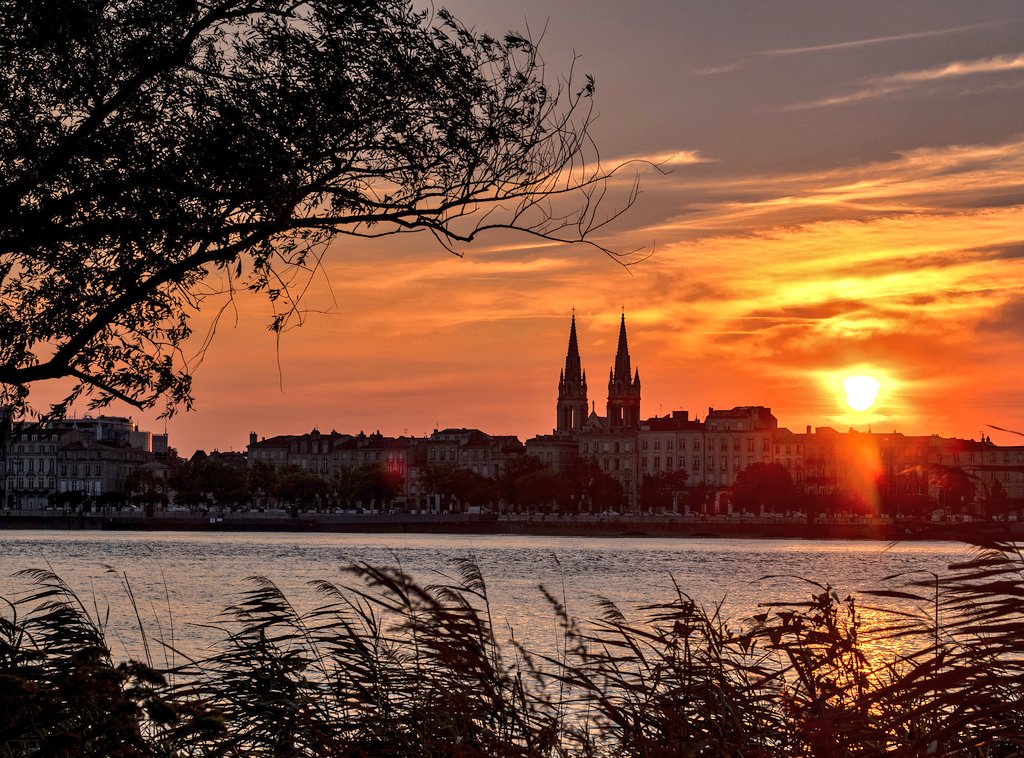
(845, 198)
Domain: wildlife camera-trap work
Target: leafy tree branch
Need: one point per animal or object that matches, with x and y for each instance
(147, 144)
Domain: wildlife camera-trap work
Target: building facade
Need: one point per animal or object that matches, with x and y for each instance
(87, 458)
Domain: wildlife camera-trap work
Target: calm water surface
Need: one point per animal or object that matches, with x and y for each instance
(186, 579)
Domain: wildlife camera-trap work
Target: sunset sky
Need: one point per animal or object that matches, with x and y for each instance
(846, 196)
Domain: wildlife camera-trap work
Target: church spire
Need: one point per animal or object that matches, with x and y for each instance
(622, 372)
(573, 370)
(572, 387)
(623, 387)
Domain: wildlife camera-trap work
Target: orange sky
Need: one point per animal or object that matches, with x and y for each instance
(846, 196)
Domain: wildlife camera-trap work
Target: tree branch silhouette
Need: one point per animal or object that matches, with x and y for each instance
(149, 143)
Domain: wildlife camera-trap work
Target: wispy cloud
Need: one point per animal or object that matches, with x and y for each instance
(665, 158)
(716, 70)
(882, 86)
(726, 68)
(846, 45)
(992, 65)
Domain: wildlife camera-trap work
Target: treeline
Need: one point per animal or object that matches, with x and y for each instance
(388, 666)
(525, 483)
(208, 481)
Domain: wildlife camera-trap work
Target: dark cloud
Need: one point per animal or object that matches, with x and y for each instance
(1006, 197)
(919, 342)
(899, 265)
(698, 291)
(1009, 317)
(1007, 252)
(813, 311)
(940, 260)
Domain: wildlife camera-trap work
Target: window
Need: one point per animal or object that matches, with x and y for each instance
(669, 444)
(657, 462)
(643, 462)
(643, 444)
(616, 447)
(657, 444)
(586, 447)
(668, 463)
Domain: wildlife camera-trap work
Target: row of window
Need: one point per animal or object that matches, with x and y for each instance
(737, 444)
(24, 447)
(607, 447)
(17, 467)
(50, 484)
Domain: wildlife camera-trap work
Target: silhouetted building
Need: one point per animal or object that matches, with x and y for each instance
(671, 443)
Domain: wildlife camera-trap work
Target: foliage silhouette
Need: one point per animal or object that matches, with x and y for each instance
(387, 666)
(155, 154)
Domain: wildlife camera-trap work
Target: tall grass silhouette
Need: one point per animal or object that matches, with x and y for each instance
(385, 665)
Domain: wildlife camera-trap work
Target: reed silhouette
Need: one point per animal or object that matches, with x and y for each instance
(388, 666)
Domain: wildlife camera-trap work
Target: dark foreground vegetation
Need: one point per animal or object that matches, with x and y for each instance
(389, 667)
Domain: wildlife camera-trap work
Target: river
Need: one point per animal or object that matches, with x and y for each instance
(184, 580)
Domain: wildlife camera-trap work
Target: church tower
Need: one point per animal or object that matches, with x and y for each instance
(623, 389)
(572, 388)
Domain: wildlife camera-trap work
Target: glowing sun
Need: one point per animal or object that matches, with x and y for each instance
(861, 391)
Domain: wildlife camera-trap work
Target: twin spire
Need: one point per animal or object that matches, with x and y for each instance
(623, 389)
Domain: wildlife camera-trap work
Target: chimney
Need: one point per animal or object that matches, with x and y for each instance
(252, 438)
(808, 428)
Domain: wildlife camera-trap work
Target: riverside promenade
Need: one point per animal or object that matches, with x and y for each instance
(668, 525)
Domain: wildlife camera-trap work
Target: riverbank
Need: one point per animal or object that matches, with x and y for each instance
(585, 526)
